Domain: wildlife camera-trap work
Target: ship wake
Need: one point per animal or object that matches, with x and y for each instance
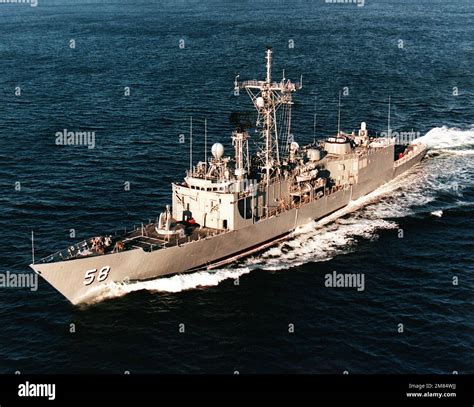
(448, 171)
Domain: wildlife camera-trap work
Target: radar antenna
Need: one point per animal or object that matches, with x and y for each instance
(389, 131)
(339, 115)
(314, 122)
(205, 148)
(191, 144)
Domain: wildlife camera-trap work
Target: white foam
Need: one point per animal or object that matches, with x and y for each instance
(458, 152)
(173, 284)
(321, 243)
(445, 137)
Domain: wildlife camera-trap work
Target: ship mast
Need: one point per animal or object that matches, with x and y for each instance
(314, 122)
(389, 131)
(267, 97)
(339, 115)
(268, 116)
(205, 148)
(241, 146)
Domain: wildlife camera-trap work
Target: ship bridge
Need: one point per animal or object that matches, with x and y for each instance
(218, 193)
(212, 188)
(204, 184)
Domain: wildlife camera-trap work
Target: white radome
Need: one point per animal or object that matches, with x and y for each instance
(363, 126)
(313, 154)
(217, 150)
(260, 102)
(294, 146)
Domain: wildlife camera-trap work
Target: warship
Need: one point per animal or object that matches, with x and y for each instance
(228, 207)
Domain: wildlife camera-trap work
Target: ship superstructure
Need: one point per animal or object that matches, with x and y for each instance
(231, 206)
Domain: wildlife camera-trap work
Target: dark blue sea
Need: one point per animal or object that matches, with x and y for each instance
(412, 241)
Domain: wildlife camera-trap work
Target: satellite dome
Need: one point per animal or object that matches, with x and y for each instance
(217, 150)
(260, 102)
(314, 154)
(363, 126)
(294, 146)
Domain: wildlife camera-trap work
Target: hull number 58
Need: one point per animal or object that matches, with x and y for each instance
(91, 275)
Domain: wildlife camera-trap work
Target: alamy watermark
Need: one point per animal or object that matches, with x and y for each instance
(360, 3)
(401, 137)
(341, 280)
(19, 280)
(28, 389)
(32, 3)
(75, 138)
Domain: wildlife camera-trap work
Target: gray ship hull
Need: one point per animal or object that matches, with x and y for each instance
(69, 277)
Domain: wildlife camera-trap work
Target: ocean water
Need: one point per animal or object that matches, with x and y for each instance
(420, 53)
